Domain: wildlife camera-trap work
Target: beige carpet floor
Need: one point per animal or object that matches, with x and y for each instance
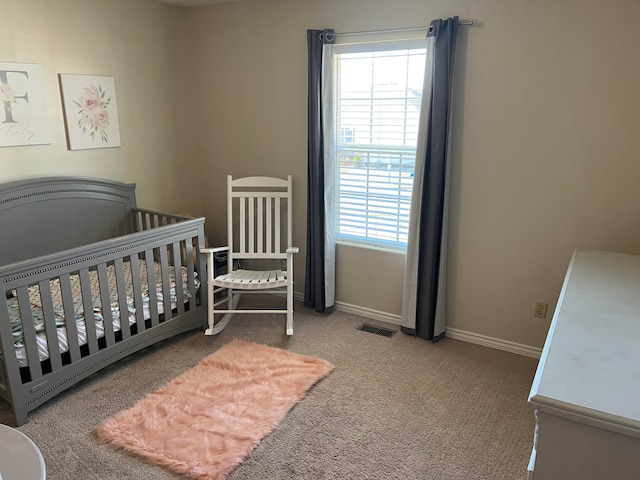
(393, 408)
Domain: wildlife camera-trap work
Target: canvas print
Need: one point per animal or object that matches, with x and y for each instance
(24, 119)
(90, 110)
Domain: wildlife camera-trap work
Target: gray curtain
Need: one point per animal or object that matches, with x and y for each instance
(319, 279)
(425, 273)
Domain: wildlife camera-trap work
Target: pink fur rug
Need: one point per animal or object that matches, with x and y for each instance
(207, 420)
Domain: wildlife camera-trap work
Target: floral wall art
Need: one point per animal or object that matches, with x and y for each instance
(90, 111)
(23, 120)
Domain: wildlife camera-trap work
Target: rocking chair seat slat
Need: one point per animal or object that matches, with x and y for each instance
(248, 279)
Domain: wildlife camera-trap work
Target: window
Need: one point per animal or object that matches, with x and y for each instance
(377, 96)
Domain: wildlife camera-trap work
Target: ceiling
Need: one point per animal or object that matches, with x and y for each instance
(194, 3)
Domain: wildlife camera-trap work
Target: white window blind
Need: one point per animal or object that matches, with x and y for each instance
(377, 108)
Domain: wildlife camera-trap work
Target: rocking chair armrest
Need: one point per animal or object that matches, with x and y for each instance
(214, 250)
(293, 250)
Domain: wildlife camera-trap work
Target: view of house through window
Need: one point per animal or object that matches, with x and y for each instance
(377, 109)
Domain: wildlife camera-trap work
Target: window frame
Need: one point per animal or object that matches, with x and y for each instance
(357, 240)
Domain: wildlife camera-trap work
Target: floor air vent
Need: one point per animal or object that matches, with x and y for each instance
(365, 327)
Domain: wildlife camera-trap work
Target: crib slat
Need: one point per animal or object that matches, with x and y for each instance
(151, 287)
(134, 263)
(69, 317)
(50, 325)
(190, 272)
(166, 287)
(118, 267)
(89, 318)
(28, 332)
(7, 344)
(105, 300)
(177, 265)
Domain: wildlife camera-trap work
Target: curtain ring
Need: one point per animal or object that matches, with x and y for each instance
(329, 37)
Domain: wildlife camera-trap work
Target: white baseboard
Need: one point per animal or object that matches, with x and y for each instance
(497, 343)
(368, 313)
(453, 333)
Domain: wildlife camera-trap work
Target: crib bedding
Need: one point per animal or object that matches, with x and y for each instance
(97, 314)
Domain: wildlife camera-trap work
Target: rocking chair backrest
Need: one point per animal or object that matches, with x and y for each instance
(259, 203)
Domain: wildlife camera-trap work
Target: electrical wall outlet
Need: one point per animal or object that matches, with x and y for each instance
(540, 310)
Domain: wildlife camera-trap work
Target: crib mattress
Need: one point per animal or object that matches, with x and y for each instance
(97, 315)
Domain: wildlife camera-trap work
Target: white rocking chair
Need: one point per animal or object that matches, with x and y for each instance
(259, 204)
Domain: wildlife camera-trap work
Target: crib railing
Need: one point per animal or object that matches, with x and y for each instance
(174, 248)
(144, 219)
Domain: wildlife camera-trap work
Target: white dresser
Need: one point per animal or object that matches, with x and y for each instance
(586, 391)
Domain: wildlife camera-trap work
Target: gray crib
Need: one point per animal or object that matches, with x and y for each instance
(88, 279)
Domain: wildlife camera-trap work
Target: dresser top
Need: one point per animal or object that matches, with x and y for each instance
(589, 370)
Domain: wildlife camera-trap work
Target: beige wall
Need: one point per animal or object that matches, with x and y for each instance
(546, 149)
(136, 42)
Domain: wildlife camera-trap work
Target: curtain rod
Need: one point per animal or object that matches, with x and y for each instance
(394, 30)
